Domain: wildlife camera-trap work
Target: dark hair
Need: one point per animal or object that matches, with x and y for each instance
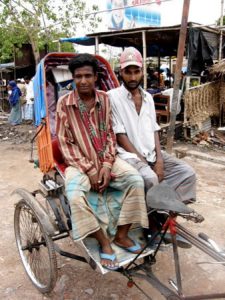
(26, 77)
(82, 60)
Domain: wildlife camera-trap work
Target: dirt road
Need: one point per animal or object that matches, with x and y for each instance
(77, 280)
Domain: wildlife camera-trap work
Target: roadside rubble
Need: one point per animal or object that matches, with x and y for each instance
(16, 135)
(213, 138)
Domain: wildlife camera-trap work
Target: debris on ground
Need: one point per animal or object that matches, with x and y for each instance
(213, 138)
(16, 135)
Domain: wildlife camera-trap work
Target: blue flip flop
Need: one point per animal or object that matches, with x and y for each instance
(111, 257)
(133, 249)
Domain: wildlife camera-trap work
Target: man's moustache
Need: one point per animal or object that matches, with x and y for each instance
(133, 82)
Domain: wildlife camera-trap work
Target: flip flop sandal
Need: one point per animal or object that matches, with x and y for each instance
(112, 258)
(133, 249)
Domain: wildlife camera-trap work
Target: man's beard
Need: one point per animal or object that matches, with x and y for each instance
(132, 85)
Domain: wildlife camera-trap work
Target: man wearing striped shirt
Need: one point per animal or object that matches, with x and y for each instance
(106, 194)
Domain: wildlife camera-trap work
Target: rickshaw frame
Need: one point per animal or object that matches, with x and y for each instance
(57, 226)
(133, 269)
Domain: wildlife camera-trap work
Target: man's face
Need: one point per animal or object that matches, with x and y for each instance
(85, 79)
(132, 77)
(118, 14)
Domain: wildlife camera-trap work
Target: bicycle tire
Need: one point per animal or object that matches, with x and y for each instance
(35, 247)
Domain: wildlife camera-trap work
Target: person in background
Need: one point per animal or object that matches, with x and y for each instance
(23, 101)
(14, 100)
(29, 109)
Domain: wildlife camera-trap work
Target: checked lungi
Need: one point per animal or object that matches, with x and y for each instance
(123, 202)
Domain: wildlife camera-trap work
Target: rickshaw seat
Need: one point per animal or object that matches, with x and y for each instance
(58, 157)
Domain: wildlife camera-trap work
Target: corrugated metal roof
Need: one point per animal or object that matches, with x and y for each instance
(10, 65)
(161, 41)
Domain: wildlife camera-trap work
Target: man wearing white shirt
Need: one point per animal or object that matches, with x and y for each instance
(29, 109)
(134, 122)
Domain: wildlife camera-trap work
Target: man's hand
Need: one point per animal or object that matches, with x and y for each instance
(142, 159)
(104, 178)
(94, 182)
(159, 169)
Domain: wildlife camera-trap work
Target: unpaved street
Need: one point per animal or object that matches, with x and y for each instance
(77, 280)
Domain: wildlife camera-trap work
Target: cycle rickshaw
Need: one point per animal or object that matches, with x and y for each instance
(42, 217)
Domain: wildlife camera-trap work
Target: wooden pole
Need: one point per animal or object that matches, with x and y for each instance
(59, 46)
(219, 58)
(96, 45)
(170, 66)
(180, 55)
(158, 68)
(144, 58)
(14, 59)
(221, 31)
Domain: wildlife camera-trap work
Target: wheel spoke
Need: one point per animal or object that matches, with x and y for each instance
(24, 221)
(35, 247)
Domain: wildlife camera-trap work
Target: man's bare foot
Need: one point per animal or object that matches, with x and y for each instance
(128, 244)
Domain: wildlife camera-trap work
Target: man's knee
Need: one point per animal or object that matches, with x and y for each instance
(134, 178)
(149, 176)
(127, 173)
(151, 181)
(77, 184)
(189, 172)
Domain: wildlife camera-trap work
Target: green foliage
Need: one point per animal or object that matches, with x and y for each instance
(218, 21)
(10, 36)
(40, 22)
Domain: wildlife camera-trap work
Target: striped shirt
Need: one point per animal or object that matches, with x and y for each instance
(74, 138)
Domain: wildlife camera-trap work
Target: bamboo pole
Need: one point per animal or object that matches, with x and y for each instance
(221, 31)
(97, 45)
(144, 58)
(180, 55)
(159, 63)
(14, 59)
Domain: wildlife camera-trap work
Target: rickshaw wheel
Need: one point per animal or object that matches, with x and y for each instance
(35, 247)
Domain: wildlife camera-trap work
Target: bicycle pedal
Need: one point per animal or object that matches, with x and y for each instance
(194, 216)
(199, 218)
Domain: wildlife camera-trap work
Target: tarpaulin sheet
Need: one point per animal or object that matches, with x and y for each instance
(39, 94)
(84, 41)
(202, 49)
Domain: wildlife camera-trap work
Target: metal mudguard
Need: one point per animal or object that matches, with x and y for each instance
(50, 228)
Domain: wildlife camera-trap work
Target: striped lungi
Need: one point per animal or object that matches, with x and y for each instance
(121, 203)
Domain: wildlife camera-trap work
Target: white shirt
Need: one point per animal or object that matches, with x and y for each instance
(29, 92)
(140, 128)
(169, 92)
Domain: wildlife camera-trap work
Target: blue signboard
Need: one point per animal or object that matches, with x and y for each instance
(126, 14)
